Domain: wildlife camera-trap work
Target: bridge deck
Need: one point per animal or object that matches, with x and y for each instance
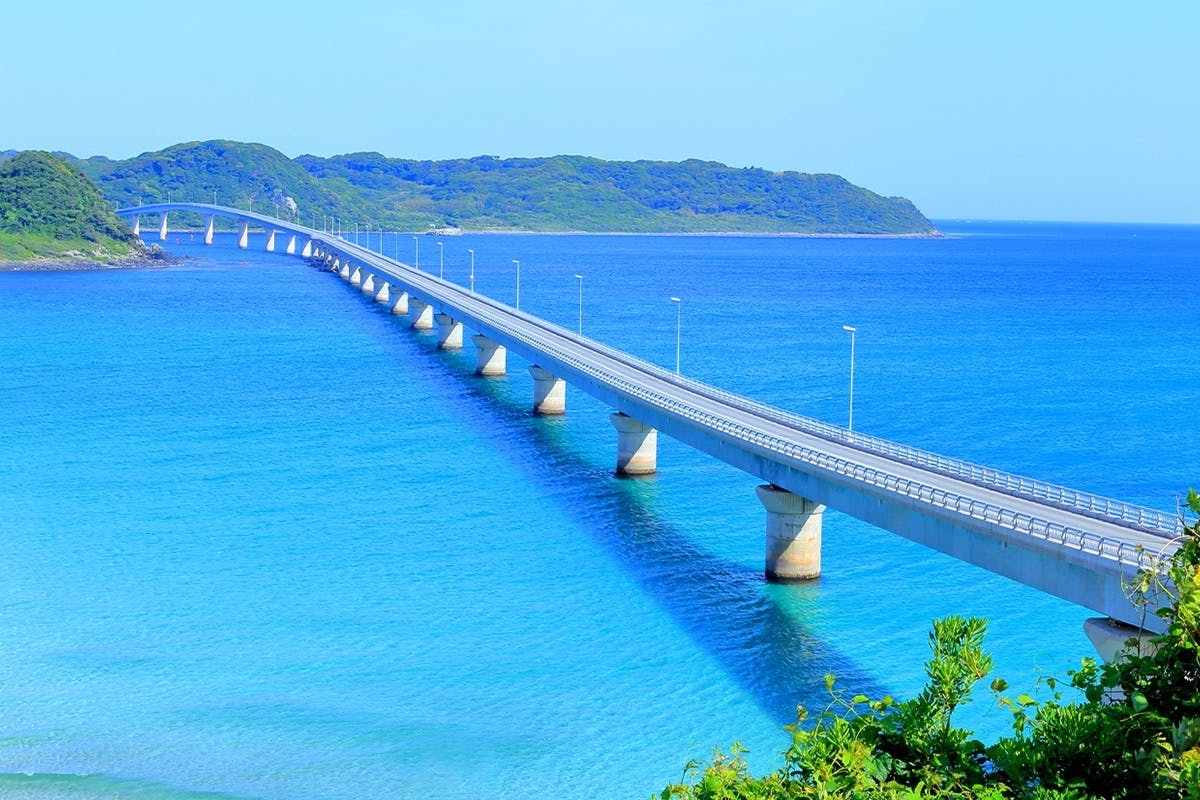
(1072, 544)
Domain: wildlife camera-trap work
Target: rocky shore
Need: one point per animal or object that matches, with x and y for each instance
(151, 259)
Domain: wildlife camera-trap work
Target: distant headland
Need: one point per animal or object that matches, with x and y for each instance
(558, 194)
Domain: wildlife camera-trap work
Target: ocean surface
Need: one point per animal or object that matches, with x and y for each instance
(262, 540)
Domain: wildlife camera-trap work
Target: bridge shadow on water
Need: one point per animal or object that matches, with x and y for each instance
(754, 629)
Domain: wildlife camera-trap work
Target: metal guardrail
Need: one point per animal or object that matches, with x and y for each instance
(521, 327)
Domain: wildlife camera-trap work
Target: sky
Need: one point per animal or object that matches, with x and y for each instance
(979, 109)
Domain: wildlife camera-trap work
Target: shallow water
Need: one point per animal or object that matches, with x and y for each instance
(265, 541)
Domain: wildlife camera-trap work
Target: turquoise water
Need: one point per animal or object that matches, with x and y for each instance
(264, 541)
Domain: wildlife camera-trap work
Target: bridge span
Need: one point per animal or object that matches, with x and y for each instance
(1075, 545)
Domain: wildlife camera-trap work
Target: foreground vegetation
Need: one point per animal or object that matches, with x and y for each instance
(50, 209)
(1134, 735)
(561, 193)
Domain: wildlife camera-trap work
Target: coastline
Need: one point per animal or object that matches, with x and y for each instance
(741, 234)
(149, 261)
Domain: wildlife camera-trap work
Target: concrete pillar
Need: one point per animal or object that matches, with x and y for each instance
(549, 393)
(244, 235)
(450, 332)
(421, 313)
(208, 230)
(271, 241)
(384, 293)
(368, 284)
(137, 225)
(400, 307)
(356, 277)
(162, 228)
(307, 252)
(637, 446)
(491, 358)
(793, 534)
(1113, 639)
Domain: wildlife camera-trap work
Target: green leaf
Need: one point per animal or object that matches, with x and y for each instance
(1138, 701)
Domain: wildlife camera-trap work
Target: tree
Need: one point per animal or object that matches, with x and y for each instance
(1135, 734)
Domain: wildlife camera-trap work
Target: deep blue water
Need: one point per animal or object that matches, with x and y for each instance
(264, 541)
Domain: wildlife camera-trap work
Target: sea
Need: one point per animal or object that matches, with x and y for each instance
(264, 541)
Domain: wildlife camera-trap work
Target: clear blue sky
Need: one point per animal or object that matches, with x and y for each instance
(1006, 110)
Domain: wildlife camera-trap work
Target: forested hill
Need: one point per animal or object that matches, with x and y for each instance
(49, 209)
(559, 193)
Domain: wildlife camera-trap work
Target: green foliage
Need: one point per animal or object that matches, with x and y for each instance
(49, 207)
(1134, 736)
(562, 193)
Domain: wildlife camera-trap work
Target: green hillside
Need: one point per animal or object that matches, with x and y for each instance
(50, 209)
(560, 193)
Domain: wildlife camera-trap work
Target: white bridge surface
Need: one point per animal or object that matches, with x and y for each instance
(1075, 545)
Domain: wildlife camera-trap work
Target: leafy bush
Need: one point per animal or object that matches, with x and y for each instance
(1134, 736)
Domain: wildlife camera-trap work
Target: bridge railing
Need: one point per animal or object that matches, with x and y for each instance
(1096, 506)
(1148, 519)
(1123, 553)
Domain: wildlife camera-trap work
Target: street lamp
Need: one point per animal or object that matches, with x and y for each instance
(678, 307)
(518, 263)
(416, 253)
(214, 197)
(850, 426)
(441, 261)
(472, 252)
(580, 279)
(381, 241)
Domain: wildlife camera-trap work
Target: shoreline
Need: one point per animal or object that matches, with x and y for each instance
(936, 234)
(162, 259)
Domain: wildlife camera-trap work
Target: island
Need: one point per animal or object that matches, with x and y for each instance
(553, 194)
(53, 217)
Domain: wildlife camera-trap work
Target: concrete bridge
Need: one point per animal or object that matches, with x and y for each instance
(1075, 545)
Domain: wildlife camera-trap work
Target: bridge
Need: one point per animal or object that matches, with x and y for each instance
(1071, 544)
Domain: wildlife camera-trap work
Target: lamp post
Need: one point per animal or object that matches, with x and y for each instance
(416, 253)
(517, 261)
(580, 279)
(472, 252)
(678, 307)
(214, 197)
(381, 241)
(850, 425)
(441, 261)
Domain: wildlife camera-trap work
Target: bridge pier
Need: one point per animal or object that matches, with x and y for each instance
(271, 241)
(368, 284)
(384, 293)
(450, 332)
(637, 446)
(162, 227)
(491, 358)
(356, 276)
(208, 229)
(793, 534)
(291, 246)
(244, 235)
(421, 313)
(549, 393)
(1112, 638)
(400, 308)
(137, 225)
(307, 252)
